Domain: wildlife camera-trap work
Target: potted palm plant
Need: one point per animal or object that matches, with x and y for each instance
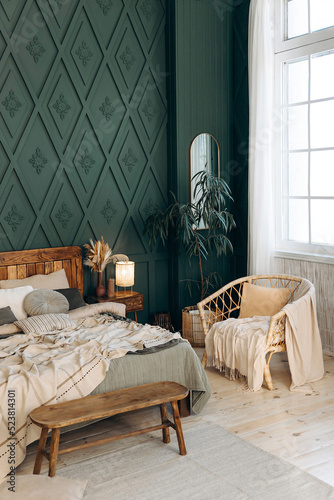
(185, 222)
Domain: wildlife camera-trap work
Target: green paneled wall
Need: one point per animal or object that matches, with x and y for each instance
(83, 129)
(240, 133)
(201, 101)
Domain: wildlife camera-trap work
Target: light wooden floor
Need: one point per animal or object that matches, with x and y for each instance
(295, 426)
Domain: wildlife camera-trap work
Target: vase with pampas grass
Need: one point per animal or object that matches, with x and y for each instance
(98, 256)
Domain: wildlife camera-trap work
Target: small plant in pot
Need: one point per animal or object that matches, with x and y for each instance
(185, 223)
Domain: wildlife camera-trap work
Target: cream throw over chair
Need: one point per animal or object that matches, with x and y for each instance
(285, 305)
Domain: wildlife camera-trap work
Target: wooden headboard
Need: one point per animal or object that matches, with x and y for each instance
(25, 263)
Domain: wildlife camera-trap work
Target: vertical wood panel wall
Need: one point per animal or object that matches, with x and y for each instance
(202, 58)
(322, 276)
(239, 166)
(83, 137)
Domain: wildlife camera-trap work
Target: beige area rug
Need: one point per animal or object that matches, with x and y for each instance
(218, 465)
(39, 487)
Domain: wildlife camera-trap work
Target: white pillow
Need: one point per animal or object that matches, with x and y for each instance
(52, 281)
(14, 298)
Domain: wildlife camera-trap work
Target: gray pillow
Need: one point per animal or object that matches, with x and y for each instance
(73, 296)
(7, 316)
(45, 302)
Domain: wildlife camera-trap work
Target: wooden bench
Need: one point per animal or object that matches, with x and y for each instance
(53, 417)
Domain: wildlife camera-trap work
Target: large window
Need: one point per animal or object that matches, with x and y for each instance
(305, 100)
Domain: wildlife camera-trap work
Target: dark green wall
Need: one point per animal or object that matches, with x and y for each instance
(239, 167)
(85, 146)
(202, 101)
(83, 129)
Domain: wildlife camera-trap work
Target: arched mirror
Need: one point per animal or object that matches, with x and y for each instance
(204, 155)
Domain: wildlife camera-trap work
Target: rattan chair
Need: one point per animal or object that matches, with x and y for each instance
(225, 303)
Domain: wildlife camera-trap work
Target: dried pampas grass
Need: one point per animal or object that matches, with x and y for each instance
(99, 255)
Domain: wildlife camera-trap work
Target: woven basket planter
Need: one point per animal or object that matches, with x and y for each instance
(192, 328)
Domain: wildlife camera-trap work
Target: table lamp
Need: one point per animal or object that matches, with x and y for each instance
(125, 274)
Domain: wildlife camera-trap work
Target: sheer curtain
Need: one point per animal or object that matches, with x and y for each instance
(261, 104)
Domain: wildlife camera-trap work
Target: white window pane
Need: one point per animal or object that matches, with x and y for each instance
(298, 221)
(322, 124)
(297, 88)
(298, 174)
(297, 18)
(322, 14)
(298, 127)
(322, 76)
(322, 173)
(322, 214)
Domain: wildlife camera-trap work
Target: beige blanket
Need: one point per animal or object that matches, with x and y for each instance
(56, 367)
(302, 338)
(236, 347)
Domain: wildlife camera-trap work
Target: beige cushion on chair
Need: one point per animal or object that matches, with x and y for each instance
(262, 301)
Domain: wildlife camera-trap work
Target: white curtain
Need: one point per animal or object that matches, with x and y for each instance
(261, 103)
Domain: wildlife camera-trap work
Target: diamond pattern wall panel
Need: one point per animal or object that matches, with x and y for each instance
(35, 53)
(85, 52)
(83, 118)
(64, 104)
(3, 45)
(88, 159)
(132, 160)
(17, 215)
(4, 162)
(9, 14)
(37, 162)
(16, 104)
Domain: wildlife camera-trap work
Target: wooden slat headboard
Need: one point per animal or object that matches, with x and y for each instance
(25, 263)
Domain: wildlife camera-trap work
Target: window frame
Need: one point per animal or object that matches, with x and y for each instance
(282, 44)
(285, 51)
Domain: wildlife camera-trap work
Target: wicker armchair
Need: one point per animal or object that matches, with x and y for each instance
(225, 303)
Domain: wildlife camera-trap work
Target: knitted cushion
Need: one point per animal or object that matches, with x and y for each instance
(45, 302)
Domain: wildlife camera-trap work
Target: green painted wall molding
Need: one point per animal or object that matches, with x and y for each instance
(83, 129)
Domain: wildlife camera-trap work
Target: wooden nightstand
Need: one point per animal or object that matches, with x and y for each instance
(134, 301)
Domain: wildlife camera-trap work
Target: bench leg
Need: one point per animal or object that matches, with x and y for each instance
(54, 452)
(178, 428)
(164, 420)
(41, 447)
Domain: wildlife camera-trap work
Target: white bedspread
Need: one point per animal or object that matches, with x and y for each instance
(56, 367)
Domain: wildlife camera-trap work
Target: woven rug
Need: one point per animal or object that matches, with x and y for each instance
(218, 465)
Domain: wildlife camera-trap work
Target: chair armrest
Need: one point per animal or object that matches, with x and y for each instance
(276, 332)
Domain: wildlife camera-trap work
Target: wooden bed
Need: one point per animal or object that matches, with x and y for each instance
(176, 363)
(25, 263)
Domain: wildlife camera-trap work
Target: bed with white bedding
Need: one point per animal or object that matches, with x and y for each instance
(56, 357)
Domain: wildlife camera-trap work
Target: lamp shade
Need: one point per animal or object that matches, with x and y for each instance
(125, 273)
